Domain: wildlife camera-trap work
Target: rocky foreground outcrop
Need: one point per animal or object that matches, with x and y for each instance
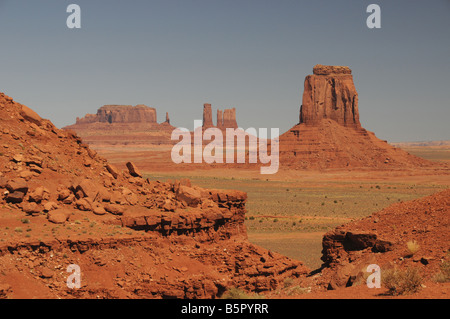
(383, 238)
(61, 203)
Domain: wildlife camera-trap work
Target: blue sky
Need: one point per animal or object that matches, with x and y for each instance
(175, 55)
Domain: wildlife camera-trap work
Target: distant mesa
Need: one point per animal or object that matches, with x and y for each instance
(123, 125)
(121, 114)
(329, 133)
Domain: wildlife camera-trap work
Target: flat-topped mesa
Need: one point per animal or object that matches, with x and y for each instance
(121, 114)
(330, 94)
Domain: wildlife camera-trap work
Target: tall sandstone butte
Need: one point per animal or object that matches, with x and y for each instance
(225, 119)
(330, 94)
(229, 118)
(329, 133)
(207, 116)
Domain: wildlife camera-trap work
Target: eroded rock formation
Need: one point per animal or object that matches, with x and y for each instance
(225, 119)
(123, 125)
(121, 114)
(329, 134)
(167, 118)
(207, 116)
(229, 118)
(330, 94)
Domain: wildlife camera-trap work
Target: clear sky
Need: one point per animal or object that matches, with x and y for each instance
(175, 55)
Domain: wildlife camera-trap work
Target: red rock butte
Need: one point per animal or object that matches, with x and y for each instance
(330, 94)
(225, 119)
(329, 133)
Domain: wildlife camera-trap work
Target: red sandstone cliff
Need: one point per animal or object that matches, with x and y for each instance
(207, 116)
(330, 94)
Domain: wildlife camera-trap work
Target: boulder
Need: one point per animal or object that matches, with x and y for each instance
(30, 115)
(114, 209)
(17, 185)
(63, 194)
(14, 197)
(99, 210)
(50, 206)
(88, 189)
(31, 208)
(39, 194)
(58, 216)
(133, 170)
(112, 170)
(188, 195)
(83, 204)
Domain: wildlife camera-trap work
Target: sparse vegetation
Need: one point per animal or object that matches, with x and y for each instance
(297, 290)
(402, 282)
(413, 247)
(236, 293)
(288, 282)
(444, 274)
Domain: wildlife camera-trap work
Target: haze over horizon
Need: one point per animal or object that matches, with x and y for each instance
(251, 55)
